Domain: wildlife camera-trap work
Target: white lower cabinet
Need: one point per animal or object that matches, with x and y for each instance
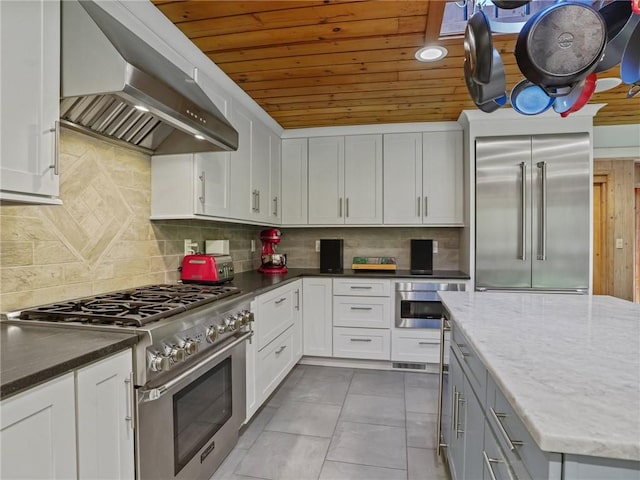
(363, 343)
(105, 418)
(78, 425)
(317, 316)
(417, 345)
(38, 432)
(274, 362)
(367, 312)
(277, 343)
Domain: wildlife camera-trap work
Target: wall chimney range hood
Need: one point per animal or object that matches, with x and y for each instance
(117, 86)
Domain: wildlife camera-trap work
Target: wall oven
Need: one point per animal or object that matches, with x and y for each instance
(417, 304)
(190, 422)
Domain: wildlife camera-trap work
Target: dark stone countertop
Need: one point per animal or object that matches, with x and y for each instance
(33, 354)
(257, 283)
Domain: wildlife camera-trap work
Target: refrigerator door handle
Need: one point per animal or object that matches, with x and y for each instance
(523, 211)
(542, 252)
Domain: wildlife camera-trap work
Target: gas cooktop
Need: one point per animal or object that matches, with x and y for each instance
(132, 307)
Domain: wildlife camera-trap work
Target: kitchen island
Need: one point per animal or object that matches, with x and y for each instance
(567, 366)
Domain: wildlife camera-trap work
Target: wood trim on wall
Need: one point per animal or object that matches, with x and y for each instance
(602, 226)
(621, 213)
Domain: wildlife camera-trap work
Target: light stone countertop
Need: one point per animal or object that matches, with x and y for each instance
(569, 365)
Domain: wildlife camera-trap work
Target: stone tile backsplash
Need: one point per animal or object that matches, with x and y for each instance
(101, 238)
(299, 244)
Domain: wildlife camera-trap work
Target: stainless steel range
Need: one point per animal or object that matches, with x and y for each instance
(189, 364)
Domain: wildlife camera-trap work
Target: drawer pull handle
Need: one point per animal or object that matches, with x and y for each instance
(278, 302)
(360, 339)
(460, 399)
(462, 352)
(359, 287)
(278, 351)
(513, 444)
(488, 462)
(361, 308)
(428, 343)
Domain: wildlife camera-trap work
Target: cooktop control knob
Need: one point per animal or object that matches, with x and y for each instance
(247, 316)
(158, 362)
(232, 323)
(212, 333)
(190, 346)
(178, 354)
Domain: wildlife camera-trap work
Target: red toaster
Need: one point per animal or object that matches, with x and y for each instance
(203, 268)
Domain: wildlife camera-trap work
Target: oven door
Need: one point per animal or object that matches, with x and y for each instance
(188, 425)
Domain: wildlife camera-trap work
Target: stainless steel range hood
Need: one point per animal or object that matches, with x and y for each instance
(116, 85)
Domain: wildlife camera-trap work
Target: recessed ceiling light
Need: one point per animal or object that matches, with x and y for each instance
(603, 84)
(199, 137)
(431, 53)
(141, 108)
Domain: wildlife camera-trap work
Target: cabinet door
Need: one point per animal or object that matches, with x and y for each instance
(260, 173)
(442, 178)
(363, 179)
(275, 162)
(456, 436)
(317, 324)
(297, 324)
(473, 433)
(402, 179)
(212, 183)
(105, 418)
(326, 181)
(240, 198)
(294, 181)
(277, 312)
(30, 92)
(37, 432)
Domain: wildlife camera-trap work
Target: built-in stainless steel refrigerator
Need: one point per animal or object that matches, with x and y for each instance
(533, 212)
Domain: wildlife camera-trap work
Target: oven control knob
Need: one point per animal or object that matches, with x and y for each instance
(159, 363)
(233, 323)
(178, 354)
(191, 346)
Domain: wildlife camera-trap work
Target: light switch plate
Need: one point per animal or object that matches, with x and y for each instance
(317, 245)
(619, 243)
(435, 246)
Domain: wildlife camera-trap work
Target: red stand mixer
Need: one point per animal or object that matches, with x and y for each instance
(272, 262)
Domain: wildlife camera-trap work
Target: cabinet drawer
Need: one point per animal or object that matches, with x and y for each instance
(408, 345)
(274, 362)
(276, 312)
(365, 312)
(365, 287)
(470, 362)
(370, 344)
(508, 427)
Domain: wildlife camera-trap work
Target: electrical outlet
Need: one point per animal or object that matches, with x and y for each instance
(435, 246)
(190, 247)
(317, 245)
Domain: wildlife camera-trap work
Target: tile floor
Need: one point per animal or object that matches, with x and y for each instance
(326, 423)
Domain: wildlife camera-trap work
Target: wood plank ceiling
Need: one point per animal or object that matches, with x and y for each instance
(317, 63)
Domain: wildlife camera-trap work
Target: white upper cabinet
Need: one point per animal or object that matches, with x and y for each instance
(30, 92)
(213, 183)
(403, 178)
(294, 181)
(241, 199)
(326, 180)
(442, 178)
(363, 179)
(275, 162)
(260, 173)
(423, 178)
(345, 180)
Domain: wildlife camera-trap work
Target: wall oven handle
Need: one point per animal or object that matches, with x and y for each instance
(154, 393)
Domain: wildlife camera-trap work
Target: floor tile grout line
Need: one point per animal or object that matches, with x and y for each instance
(367, 465)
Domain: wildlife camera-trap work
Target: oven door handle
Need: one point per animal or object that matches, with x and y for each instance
(154, 393)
